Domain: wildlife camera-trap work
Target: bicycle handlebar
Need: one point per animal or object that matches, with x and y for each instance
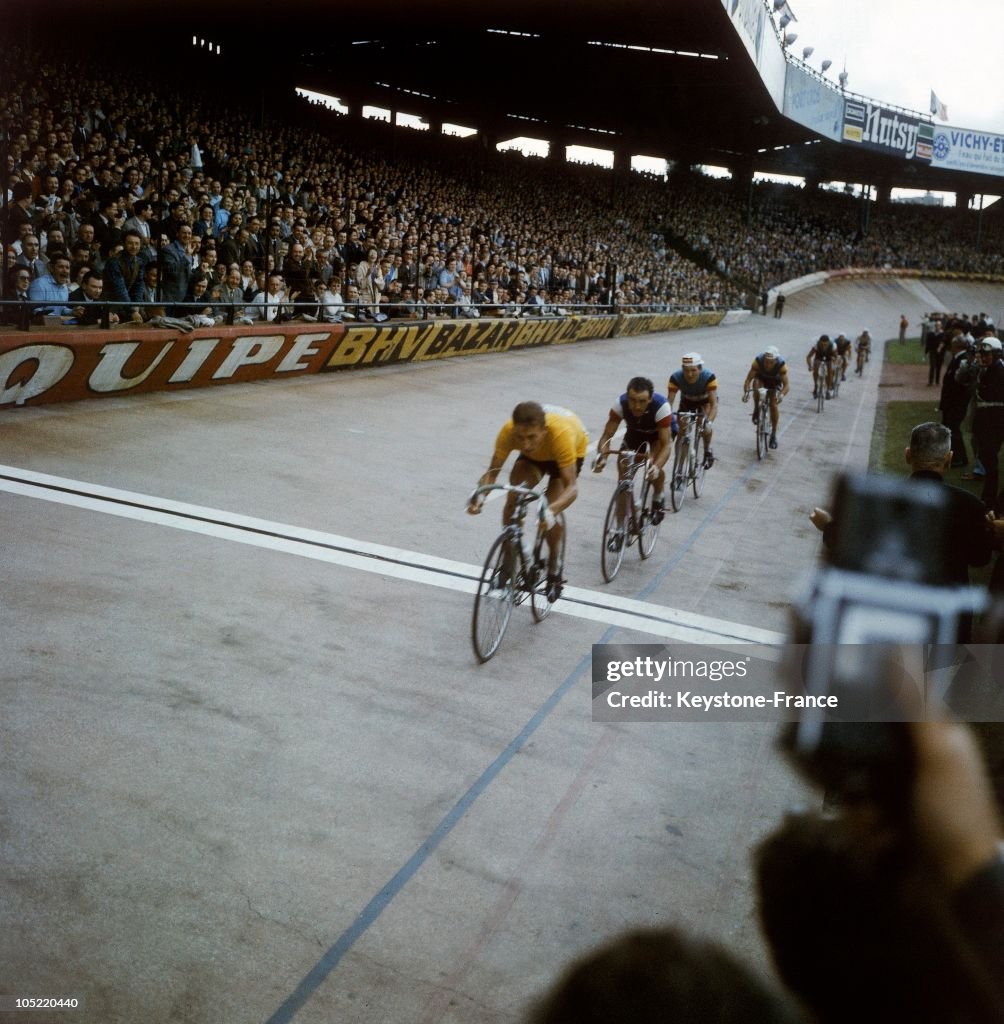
(526, 493)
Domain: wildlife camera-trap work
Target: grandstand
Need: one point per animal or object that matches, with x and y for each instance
(250, 767)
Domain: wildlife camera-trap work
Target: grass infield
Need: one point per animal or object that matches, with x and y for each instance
(908, 354)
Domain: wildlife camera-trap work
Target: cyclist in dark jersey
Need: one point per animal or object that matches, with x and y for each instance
(843, 344)
(649, 420)
(698, 390)
(770, 371)
(823, 351)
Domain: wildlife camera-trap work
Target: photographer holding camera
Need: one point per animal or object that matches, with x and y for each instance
(894, 911)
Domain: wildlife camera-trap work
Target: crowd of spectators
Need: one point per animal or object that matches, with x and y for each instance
(210, 209)
(780, 232)
(320, 216)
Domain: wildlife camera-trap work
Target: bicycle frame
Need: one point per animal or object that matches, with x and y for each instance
(628, 518)
(688, 466)
(509, 576)
(762, 425)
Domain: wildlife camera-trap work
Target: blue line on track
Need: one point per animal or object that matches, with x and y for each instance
(380, 902)
(376, 906)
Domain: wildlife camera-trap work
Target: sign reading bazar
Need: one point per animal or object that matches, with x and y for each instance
(66, 366)
(888, 131)
(61, 366)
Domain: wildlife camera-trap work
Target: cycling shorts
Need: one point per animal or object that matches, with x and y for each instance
(549, 467)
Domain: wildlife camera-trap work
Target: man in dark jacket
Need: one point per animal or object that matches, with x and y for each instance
(955, 395)
(929, 456)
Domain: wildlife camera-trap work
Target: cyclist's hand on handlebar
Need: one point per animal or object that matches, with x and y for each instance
(599, 461)
(746, 396)
(652, 472)
(547, 518)
(474, 504)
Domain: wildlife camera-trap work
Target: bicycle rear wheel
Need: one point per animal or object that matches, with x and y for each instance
(678, 481)
(614, 536)
(539, 604)
(494, 599)
(648, 528)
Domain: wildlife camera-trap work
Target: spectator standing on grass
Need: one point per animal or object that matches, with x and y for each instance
(903, 325)
(955, 396)
(934, 347)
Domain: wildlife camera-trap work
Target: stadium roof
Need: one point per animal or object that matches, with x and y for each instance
(667, 78)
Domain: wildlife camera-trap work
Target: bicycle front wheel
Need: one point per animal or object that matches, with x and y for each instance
(678, 481)
(761, 433)
(648, 527)
(539, 604)
(821, 393)
(494, 599)
(697, 469)
(614, 536)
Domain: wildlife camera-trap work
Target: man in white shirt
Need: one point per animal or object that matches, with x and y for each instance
(270, 305)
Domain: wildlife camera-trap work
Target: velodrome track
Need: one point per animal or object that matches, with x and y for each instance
(251, 769)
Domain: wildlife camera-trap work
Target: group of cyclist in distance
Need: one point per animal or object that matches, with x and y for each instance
(830, 357)
(552, 441)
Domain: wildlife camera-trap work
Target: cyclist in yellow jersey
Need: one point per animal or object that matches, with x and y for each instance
(551, 442)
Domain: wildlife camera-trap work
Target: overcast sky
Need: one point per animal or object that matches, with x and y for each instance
(899, 51)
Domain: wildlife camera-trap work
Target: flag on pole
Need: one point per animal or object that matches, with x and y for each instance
(938, 108)
(785, 9)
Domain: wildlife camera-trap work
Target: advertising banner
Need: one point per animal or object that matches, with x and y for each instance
(961, 149)
(753, 26)
(887, 131)
(66, 365)
(38, 367)
(813, 103)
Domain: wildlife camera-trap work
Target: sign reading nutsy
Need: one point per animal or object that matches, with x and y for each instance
(888, 131)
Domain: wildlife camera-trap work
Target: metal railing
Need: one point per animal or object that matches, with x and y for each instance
(19, 315)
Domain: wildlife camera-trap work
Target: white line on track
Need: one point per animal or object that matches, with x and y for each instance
(413, 566)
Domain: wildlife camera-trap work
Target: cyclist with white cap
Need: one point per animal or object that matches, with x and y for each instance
(698, 391)
(770, 371)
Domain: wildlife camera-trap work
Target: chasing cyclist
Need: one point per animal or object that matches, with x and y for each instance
(770, 371)
(863, 347)
(698, 390)
(823, 351)
(551, 442)
(843, 346)
(649, 420)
